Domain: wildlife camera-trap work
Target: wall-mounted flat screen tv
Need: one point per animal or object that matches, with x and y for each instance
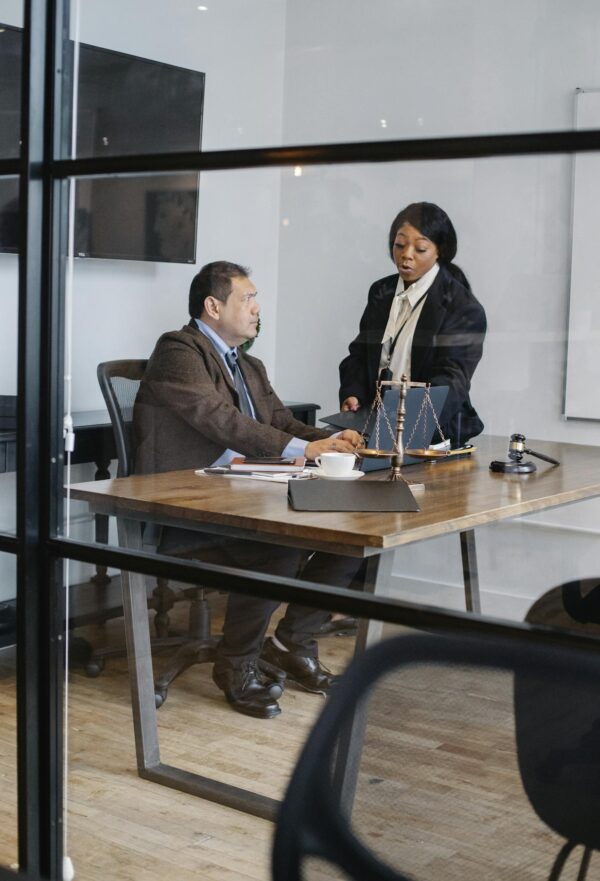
(125, 105)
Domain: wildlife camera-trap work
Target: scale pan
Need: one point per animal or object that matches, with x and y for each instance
(428, 454)
(375, 454)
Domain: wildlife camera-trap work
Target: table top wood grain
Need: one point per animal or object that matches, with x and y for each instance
(459, 494)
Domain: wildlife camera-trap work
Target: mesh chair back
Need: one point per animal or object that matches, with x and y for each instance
(415, 810)
(119, 383)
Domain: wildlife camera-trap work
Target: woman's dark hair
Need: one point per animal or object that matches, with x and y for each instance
(434, 223)
(213, 280)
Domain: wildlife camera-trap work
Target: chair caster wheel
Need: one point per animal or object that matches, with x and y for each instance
(94, 668)
(159, 698)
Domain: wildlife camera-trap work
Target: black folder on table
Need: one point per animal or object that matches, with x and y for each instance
(365, 424)
(356, 495)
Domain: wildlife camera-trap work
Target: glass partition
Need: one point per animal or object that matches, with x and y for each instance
(315, 244)
(269, 74)
(8, 390)
(10, 139)
(508, 326)
(8, 712)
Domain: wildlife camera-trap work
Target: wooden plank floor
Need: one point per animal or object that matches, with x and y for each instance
(439, 791)
(122, 827)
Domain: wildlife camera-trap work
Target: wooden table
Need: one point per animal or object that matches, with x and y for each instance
(459, 496)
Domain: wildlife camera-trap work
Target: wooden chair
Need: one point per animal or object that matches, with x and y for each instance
(119, 383)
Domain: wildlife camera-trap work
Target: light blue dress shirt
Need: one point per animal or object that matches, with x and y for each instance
(296, 446)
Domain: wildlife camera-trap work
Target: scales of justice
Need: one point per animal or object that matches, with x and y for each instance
(396, 454)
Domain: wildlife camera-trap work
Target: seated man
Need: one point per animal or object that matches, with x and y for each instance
(201, 402)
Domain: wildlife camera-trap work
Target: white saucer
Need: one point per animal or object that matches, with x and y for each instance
(354, 475)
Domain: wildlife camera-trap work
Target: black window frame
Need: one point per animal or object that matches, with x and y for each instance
(38, 549)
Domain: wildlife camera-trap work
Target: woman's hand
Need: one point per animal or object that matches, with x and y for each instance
(350, 403)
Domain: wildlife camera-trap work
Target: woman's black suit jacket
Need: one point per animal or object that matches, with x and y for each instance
(446, 349)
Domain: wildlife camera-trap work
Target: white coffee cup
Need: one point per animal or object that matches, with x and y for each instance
(336, 464)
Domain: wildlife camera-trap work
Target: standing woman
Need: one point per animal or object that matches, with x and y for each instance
(424, 321)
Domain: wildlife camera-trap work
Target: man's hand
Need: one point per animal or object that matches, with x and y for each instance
(339, 444)
(350, 403)
(353, 437)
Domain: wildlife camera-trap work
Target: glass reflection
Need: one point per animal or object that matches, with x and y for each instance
(8, 712)
(9, 281)
(360, 75)
(131, 105)
(9, 215)
(354, 67)
(10, 94)
(146, 217)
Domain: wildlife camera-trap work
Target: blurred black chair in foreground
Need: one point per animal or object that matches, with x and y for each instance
(557, 719)
(119, 383)
(563, 788)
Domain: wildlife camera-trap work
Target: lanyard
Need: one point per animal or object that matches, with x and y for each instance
(401, 328)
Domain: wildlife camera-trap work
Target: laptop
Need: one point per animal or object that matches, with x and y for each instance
(414, 401)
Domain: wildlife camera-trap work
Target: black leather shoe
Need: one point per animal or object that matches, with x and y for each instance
(305, 671)
(339, 626)
(246, 690)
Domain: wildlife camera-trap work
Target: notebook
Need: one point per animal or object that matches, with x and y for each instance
(276, 464)
(414, 400)
(359, 495)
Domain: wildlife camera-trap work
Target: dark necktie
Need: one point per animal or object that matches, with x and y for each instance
(244, 400)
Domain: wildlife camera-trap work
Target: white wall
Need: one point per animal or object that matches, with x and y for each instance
(350, 66)
(518, 561)
(433, 69)
(11, 12)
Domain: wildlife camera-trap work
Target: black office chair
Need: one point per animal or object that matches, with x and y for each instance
(119, 383)
(556, 714)
(575, 607)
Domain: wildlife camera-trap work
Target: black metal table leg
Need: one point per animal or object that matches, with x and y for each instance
(349, 750)
(468, 551)
(144, 708)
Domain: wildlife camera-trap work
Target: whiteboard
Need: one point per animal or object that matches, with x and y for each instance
(582, 389)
